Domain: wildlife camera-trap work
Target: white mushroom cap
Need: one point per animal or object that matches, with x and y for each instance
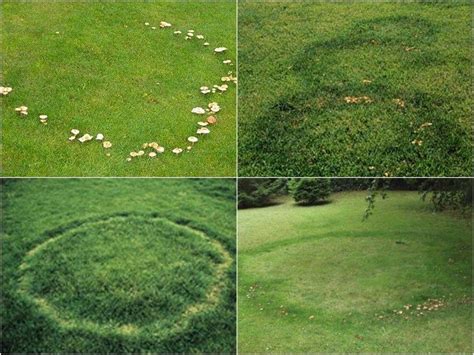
(140, 153)
(177, 32)
(199, 36)
(206, 44)
(202, 124)
(24, 108)
(106, 144)
(72, 138)
(152, 154)
(220, 49)
(203, 130)
(177, 150)
(86, 137)
(160, 149)
(99, 137)
(43, 117)
(192, 139)
(164, 24)
(198, 110)
(75, 131)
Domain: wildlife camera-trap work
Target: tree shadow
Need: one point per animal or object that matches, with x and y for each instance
(319, 203)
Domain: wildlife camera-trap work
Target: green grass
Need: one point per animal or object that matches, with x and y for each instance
(298, 62)
(118, 265)
(107, 72)
(324, 261)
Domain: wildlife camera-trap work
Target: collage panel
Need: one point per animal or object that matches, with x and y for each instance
(119, 88)
(355, 89)
(118, 265)
(355, 265)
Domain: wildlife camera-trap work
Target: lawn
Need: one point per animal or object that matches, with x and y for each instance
(118, 265)
(319, 279)
(98, 68)
(355, 89)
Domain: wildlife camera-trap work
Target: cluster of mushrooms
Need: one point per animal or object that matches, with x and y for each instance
(153, 149)
(5, 90)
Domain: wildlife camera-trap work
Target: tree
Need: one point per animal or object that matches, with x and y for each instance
(255, 192)
(309, 191)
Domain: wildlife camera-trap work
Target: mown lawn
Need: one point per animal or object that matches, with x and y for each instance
(118, 265)
(96, 67)
(319, 279)
(355, 89)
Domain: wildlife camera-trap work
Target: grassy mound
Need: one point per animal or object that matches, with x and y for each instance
(124, 279)
(320, 279)
(98, 68)
(355, 90)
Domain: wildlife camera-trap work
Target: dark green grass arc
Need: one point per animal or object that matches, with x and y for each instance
(172, 268)
(309, 130)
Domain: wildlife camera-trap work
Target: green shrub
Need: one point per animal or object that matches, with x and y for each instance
(254, 192)
(310, 191)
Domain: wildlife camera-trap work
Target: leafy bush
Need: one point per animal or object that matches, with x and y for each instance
(310, 191)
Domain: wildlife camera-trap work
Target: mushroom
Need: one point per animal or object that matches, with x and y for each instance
(72, 138)
(220, 49)
(153, 28)
(86, 137)
(199, 36)
(202, 124)
(152, 154)
(190, 34)
(160, 149)
(192, 140)
(214, 107)
(203, 130)
(212, 120)
(206, 44)
(177, 151)
(43, 119)
(227, 61)
(140, 153)
(177, 32)
(147, 24)
(74, 131)
(164, 24)
(106, 144)
(99, 137)
(198, 110)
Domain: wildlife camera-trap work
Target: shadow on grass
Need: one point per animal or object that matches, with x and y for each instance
(319, 203)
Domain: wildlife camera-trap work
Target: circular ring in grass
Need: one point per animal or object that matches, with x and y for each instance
(122, 274)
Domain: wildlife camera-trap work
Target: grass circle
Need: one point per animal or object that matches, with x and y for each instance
(124, 273)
